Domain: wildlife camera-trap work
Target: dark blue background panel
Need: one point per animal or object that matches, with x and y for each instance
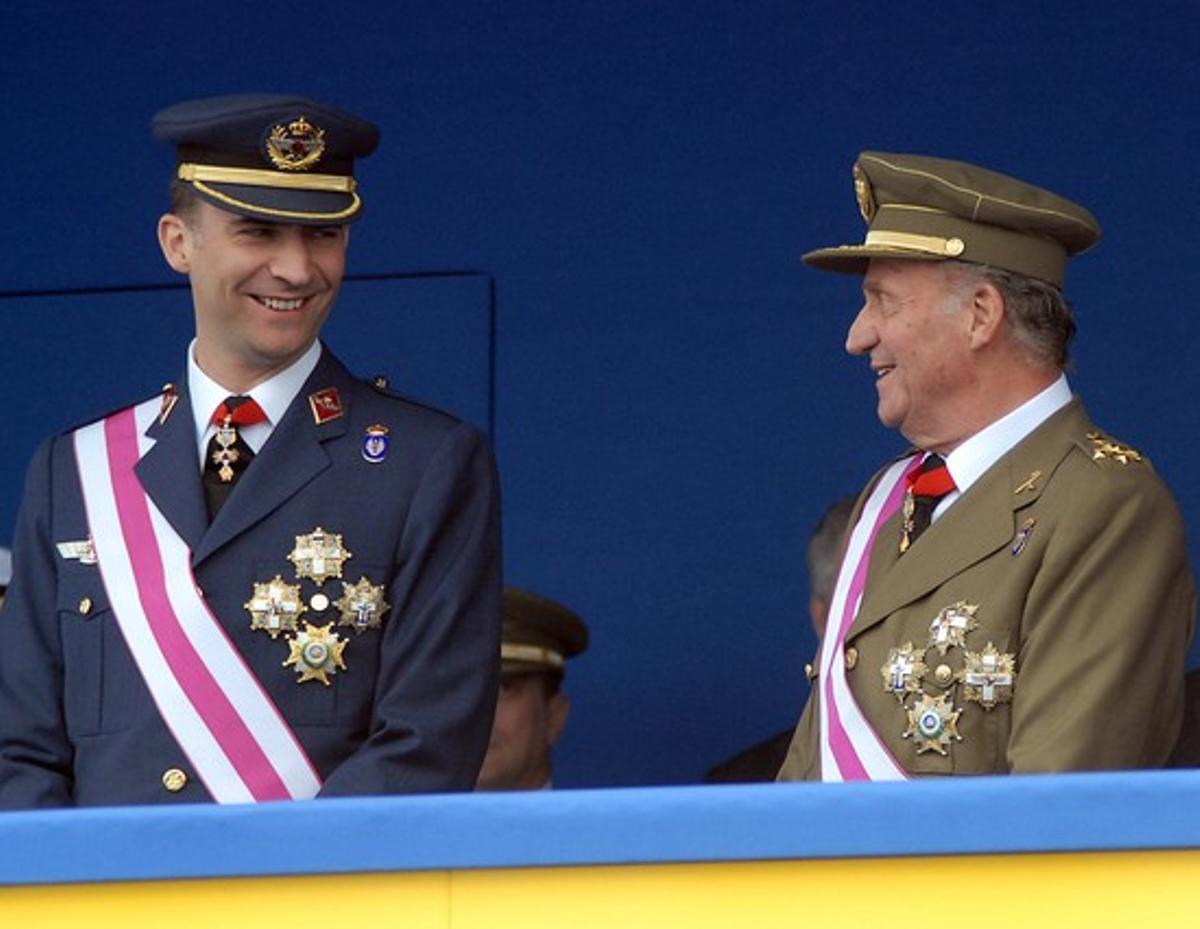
(674, 408)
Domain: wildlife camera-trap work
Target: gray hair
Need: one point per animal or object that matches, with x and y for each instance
(1040, 317)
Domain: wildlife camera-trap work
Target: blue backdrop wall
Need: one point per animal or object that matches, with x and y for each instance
(672, 408)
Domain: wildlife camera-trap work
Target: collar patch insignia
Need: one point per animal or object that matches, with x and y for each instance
(1030, 483)
(326, 405)
(951, 625)
(296, 146)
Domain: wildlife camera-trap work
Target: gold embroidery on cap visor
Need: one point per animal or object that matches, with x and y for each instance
(532, 653)
(203, 176)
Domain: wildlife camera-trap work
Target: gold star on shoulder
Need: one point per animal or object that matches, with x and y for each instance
(1104, 447)
(319, 555)
(932, 724)
(316, 653)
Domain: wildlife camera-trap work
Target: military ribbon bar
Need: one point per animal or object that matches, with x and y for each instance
(231, 731)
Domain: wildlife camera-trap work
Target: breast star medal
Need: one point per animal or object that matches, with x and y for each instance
(275, 606)
(932, 724)
(319, 555)
(362, 605)
(951, 625)
(316, 653)
(903, 671)
(988, 676)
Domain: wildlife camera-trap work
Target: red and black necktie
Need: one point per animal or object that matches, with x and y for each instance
(926, 487)
(228, 455)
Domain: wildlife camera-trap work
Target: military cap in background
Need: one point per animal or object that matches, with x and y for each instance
(539, 635)
(933, 209)
(268, 156)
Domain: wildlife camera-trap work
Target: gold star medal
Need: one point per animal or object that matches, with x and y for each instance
(903, 672)
(319, 555)
(275, 606)
(951, 625)
(316, 653)
(988, 676)
(362, 605)
(932, 723)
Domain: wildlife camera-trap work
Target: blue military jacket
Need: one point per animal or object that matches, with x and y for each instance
(413, 708)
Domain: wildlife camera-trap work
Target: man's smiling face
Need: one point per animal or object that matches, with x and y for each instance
(913, 329)
(261, 290)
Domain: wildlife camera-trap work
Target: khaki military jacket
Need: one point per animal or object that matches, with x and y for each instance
(1063, 601)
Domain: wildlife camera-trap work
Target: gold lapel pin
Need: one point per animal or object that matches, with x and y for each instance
(1030, 483)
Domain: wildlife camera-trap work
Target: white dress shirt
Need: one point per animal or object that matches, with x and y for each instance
(274, 395)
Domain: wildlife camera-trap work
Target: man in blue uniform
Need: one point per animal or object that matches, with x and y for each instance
(271, 581)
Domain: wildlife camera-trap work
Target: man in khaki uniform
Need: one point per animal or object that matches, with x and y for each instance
(1015, 594)
(537, 639)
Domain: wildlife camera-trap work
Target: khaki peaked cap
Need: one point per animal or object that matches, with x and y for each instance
(933, 209)
(539, 635)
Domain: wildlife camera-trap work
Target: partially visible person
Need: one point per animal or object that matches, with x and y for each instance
(1187, 749)
(761, 761)
(538, 638)
(1015, 595)
(5, 572)
(824, 555)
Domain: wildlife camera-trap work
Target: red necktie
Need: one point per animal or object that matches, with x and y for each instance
(926, 487)
(228, 455)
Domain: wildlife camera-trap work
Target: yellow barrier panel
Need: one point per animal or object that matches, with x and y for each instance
(979, 892)
(982, 892)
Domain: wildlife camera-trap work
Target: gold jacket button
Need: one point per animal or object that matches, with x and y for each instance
(85, 606)
(809, 671)
(851, 658)
(174, 780)
(943, 675)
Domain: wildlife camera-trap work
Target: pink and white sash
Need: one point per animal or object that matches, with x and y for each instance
(851, 749)
(239, 745)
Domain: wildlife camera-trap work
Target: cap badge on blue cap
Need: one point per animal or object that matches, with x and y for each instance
(295, 146)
